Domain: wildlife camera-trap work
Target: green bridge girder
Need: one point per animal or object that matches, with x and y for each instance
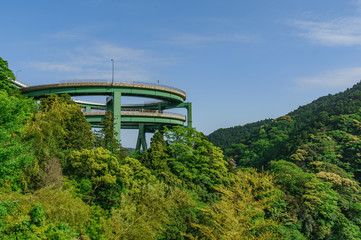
(107, 89)
(144, 117)
(130, 121)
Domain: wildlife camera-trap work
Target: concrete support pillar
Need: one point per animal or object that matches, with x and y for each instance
(189, 114)
(88, 109)
(141, 142)
(109, 103)
(116, 108)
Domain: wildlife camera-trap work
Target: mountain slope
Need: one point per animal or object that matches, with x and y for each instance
(315, 154)
(269, 139)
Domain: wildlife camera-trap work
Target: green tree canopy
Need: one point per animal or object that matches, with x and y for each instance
(6, 75)
(58, 126)
(240, 214)
(107, 138)
(195, 160)
(15, 154)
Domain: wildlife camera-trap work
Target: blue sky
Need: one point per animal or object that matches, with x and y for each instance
(238, 61)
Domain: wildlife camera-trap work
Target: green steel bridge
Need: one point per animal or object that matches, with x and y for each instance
(147, 117)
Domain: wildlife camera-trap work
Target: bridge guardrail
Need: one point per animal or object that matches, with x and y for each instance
(139, 113)
(70, 81)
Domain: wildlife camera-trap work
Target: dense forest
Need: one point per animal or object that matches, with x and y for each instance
(295, 177)
(314, 154)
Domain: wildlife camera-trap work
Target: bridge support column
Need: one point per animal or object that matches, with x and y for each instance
(141, 142)
(116, 108)
(188, 106)
(189, 114)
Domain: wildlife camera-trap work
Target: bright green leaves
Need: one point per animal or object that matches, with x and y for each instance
(157, 157)
(98, 175)
(14, 153)
(101, 178)
(15, 111)
(24, 218)
(154, 211)
(106, 137)
(312, 201)
(6, 75)
(240, 213)
(134, 174)
(137, 212)
(95, 164)
(195, 160)
(58, 126)
(37, 216)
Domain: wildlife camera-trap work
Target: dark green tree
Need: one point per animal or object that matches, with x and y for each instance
(157, 160)
(59, 126)
(107, 138)
(195, 161)
(156, 157)
(313, 204)
(15, 153)
(98, 175)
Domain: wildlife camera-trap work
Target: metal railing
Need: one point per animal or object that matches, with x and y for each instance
(140, 113)
(145, 104)
(19, 84)
(107, 81)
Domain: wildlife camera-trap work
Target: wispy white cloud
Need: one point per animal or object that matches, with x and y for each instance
(96, 53)
(56, 67)
(93, 61)
(190, 39)
(344, 31)
(68, 35)
(339, 78)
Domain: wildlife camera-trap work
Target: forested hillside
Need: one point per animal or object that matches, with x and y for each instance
(61, 180)
(315, 154)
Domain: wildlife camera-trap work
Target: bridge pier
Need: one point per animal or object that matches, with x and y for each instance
(189, 114)
(88, 109)
(117, 95)
(188, 106)
(141, 141)
(114, 104)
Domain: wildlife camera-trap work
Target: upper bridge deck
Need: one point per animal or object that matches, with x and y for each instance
(106, 88)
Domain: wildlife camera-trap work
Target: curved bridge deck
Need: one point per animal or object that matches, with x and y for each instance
(130, 118)
(106, 89)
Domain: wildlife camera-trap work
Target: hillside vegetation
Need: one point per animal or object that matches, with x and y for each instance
(315, 154)
(61, 180)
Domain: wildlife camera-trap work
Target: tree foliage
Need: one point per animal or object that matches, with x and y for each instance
(6, 75)
(315, 153)
(55, 183)
(196, 161)
(59, 125)
(240, 214)
(15, 154)
(107, 138)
